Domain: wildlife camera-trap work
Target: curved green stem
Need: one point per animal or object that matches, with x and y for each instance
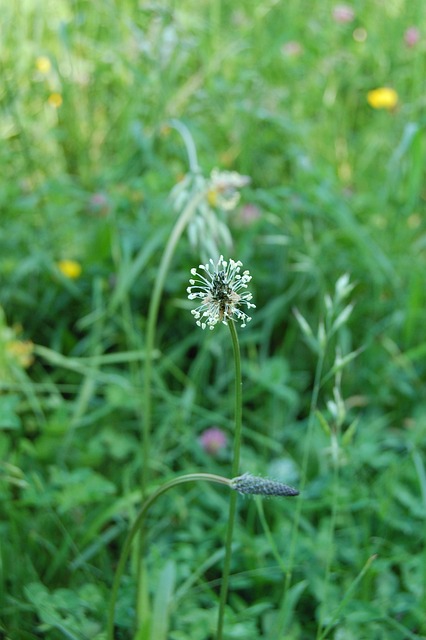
(235, 468)
(189, 144)
(190, 477)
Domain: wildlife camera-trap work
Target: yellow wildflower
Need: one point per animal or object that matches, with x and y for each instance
(21, 351)
(70, 269)
(55, 100)
(382, 98)
(43, 64)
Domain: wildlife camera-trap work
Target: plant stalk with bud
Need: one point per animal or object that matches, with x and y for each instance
(222, 291)
(245, 484)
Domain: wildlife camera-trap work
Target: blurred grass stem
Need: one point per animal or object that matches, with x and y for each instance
(166, 259)
(285, 613)
(191, 150)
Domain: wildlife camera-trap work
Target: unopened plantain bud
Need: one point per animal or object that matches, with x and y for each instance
(253, 485)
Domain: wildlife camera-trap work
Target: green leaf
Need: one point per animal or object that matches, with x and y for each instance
(162, 601)
(9, 418)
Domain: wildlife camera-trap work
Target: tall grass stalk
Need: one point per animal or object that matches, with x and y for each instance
(180, 226)
(346, 598)
(335, 318)
(166, 259)
(177, 231)
(330, 546)
(421, 475)
(284, 609)
(234, 472)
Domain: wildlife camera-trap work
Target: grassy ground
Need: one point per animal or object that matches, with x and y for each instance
(95, 98)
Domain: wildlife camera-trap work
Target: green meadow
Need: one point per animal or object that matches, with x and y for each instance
(140, 140)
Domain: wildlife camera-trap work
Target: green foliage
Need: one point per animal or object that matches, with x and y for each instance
(66, 612)
(333, 395)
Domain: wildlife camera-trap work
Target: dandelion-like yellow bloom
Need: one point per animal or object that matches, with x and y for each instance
(43, 64)
(382, 98)
(70, 269)
(55, 100)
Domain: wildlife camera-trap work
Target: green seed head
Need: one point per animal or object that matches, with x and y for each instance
(253, 485)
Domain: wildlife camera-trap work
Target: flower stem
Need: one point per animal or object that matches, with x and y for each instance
(284, 610)
(194, 167)
(154, 306)
(134, 530)
(238, 400)
(234, 472)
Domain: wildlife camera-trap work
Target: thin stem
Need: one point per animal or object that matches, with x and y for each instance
(190, 477)
(166, 259)
(329, 550)
(235, 468)
(269, 537)
(238, 400)
(305, 460)
(22, 138)
(346, 598)
(189, 144)
(282, 618)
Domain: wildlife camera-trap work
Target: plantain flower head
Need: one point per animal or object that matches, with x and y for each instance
(253, 485)
(221, 289)
(211, 200)
(224, 189)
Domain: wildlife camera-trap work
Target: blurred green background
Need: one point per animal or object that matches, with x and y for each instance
(322, 105)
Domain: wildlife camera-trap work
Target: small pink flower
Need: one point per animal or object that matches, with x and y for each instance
(248, 214)
(411, 36)
(343, 13)
(291, 49)
(99, 204)
(212, 440)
